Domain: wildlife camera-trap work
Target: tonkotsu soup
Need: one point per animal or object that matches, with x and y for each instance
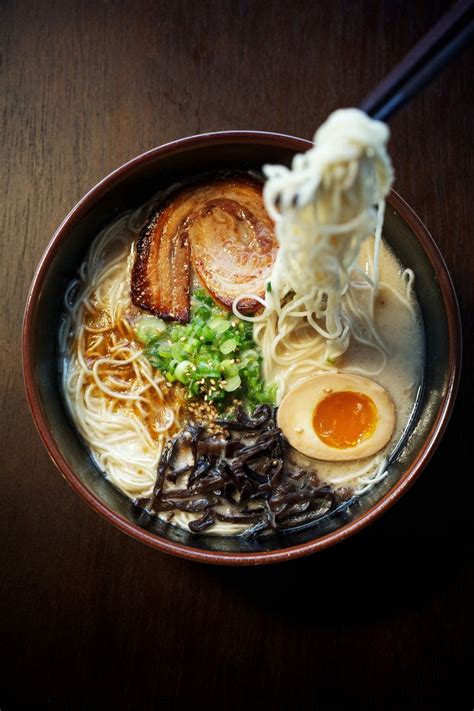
(239, 361)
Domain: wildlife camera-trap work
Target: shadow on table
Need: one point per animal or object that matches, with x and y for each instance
(360, 580)
(414, 554)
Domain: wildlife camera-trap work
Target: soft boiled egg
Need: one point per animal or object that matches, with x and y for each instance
(337, 417)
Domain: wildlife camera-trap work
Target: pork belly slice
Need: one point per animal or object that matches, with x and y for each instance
(233, 246)
(223, 230)
(161, 274)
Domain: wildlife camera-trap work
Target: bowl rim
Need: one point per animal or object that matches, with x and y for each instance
(220, 557)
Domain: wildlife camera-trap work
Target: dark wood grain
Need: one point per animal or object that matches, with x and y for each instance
(89, 617)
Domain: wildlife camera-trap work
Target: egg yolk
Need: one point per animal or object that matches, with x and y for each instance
(343, 419)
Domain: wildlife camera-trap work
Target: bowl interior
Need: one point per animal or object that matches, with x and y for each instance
(126, 189)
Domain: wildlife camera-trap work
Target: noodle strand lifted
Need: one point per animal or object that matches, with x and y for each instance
(324, 207)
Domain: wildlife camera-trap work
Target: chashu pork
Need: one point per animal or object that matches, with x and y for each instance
(221, 228)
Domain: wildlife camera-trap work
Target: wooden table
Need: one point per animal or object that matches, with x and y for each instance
(89, 616)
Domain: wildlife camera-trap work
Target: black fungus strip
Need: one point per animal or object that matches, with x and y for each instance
(286, 484)
(269, 434)
(270, 517)
(166, 455)
(175, 446)
(262, 465)
(174, 474)
(261, 417)
(229, 492)
(159, 505)
(306, 517)
(253, 475)
(258, 527)
(248, 452)
(211, 483)
(246, 492)
(178, 494)
(236, 477)
(195, 505)
(276, 474)
(233, 446)
(200, 524)
(237, 518)
(293, 497)
(201, 467)
(285, 511)
(190, 437)
(213, 445)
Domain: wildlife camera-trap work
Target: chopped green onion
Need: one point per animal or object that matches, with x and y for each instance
(228, 346)
(219, 325)
(182, 371)
(232, 384)
(148, 328)
(251, 353)
(230, 368)
(213, 355)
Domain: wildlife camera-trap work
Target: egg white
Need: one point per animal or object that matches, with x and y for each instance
(295, 416)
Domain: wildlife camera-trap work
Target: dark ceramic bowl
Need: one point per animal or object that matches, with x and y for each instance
(125, 189)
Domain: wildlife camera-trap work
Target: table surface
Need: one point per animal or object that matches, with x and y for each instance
(89, 616)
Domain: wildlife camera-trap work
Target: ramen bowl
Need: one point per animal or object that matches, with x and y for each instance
(130, 186)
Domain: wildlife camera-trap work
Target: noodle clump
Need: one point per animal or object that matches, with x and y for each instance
(324, 208)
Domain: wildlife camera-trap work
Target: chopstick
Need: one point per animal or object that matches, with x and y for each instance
(427, 58)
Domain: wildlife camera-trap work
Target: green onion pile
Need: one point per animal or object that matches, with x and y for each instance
(214, 356)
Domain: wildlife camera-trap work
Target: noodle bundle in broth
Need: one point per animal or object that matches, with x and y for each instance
(240, 357)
